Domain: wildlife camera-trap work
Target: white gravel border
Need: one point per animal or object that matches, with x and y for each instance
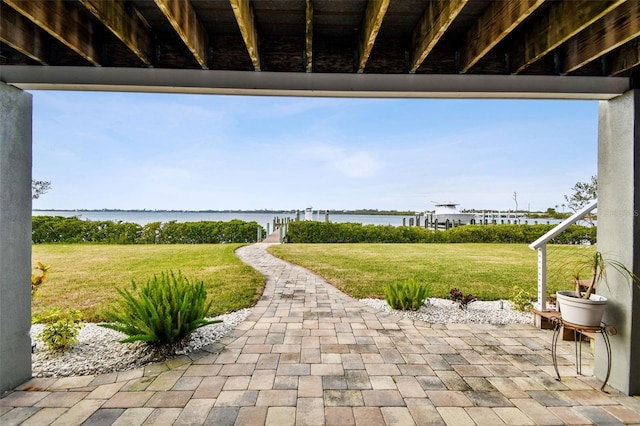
(98, 350)
(441, 311)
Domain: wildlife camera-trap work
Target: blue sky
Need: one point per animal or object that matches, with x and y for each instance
(200, 152)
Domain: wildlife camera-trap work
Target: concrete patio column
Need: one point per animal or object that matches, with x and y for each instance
(619, 234)
(15, 236)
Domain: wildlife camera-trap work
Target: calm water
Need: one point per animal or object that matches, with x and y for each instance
(143, 218)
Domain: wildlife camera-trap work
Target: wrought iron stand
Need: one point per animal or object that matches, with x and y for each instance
(578, 331)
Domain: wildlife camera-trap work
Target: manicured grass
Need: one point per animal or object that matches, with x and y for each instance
(489, 271)
(85, 277)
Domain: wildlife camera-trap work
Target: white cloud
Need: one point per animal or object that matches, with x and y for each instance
(348, 163)
(357, 165)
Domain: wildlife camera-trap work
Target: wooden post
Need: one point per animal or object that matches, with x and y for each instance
(404, 221)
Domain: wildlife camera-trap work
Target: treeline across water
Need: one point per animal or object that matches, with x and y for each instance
(70, 230)
(326, 232)
(57, 229)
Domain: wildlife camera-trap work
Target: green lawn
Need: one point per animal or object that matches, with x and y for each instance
(489, 271)
(85, 277)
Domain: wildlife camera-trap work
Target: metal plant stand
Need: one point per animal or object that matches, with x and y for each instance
(579, 330)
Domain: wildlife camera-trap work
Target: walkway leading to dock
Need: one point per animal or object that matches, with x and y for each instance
(310, 355)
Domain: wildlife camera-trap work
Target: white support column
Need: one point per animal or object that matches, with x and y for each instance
(541, 305)
(619, 234)
(15, 236)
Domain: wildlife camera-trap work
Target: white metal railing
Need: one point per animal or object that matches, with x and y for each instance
(541, 245)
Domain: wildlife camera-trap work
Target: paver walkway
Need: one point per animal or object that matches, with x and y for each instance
(310, 355)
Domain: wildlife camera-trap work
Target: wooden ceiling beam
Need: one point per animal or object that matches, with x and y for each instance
(309, 37)
(185, 22)
(432, 25)
(371, 23)
(563, 20)
(610, 32)
(243, 11)
(496, 23)
(625, 58)
(126, 24)
(23, 35)
(64, 22)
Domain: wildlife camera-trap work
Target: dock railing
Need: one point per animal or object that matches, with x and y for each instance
(541, 245)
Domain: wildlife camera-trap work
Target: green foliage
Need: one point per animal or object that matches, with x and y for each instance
(521, 299)
(39, 187)
(461, 299)
(596, 266)
(164, 311)
(61, 329)
(323, 232)
(38, 279)
(57, 229)
(409, 295)
(583, 194)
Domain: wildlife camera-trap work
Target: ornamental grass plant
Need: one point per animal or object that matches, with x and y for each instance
(163, 312)
(407, 296)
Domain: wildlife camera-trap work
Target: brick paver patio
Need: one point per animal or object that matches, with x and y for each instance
(310, 355)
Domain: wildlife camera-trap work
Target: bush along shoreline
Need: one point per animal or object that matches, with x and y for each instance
(327, 232)
(71, 230)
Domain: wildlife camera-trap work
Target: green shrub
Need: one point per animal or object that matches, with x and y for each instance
(57, 229)
(522, 299)
(461, 299)
(61, 329)
(328, 232)
(164, 312)
(38, 279)
(406, 296)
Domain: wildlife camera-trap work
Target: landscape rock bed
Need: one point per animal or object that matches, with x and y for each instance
(441, 311)
(98, 350)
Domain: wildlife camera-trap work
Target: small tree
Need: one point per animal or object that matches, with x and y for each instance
(583, 194)
(39, 187)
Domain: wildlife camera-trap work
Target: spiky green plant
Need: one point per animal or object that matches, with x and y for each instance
(406, 296)
(164, 312)
(596, 265)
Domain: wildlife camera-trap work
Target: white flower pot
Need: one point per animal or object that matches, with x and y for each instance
(585, 312)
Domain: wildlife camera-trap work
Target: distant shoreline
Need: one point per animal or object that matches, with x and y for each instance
(263, 211)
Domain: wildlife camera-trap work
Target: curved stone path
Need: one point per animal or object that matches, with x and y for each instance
(310, 355)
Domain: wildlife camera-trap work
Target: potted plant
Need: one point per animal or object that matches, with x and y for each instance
(582, 306)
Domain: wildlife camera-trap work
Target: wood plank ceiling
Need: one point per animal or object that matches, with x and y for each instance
(536, 37)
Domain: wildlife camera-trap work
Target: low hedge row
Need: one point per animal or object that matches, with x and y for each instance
(57, 229)
(327, 232)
